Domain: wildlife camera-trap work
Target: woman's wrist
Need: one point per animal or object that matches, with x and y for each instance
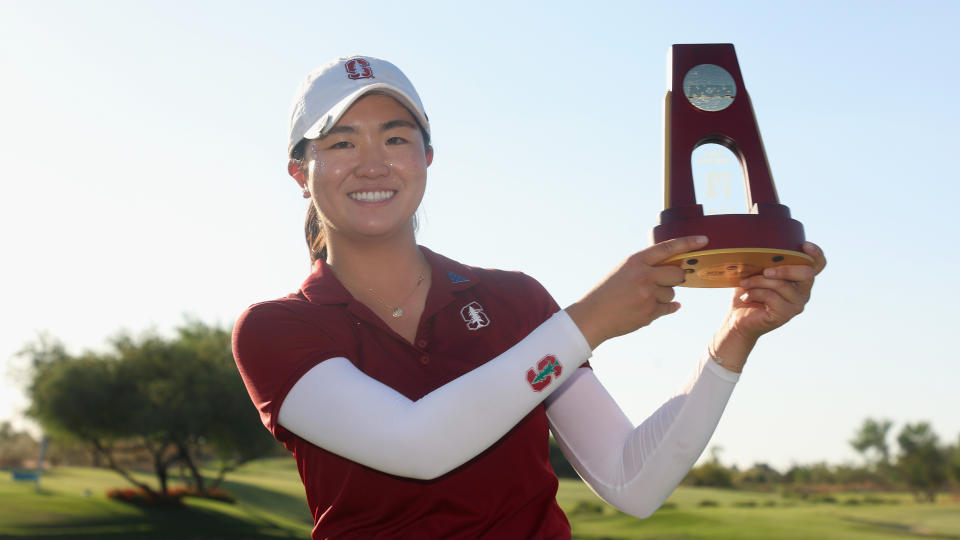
(729, 348)
(579, 313)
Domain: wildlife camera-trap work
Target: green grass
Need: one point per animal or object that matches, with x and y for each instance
(71, 504)
(753, 515)
(270, 504)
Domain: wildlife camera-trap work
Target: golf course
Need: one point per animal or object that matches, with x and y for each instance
(71, 502)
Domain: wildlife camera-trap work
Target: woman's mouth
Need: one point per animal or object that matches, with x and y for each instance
(372, 196)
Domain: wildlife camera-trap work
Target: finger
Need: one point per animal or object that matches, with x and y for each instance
(791, 272)
(662, 251)
(778, 308)
(667, 276)
(819, 259)
(664, 295)
(789, 290)
(665, 309)
(802, 275)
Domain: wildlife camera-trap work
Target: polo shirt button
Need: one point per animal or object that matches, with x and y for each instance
(422, 343)
(424, 360)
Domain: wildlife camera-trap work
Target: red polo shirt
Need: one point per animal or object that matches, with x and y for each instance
(471, 316)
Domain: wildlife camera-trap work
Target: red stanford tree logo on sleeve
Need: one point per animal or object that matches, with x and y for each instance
(358, 68)
(547, 368)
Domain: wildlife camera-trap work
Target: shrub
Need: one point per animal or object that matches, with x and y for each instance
(213, 494)
(140, 497)
(173, 497)
(588, 507)
(710, 474)
(708, 502)
(871, 499)
(759, 476)
(745, 504)
(793, 493)
(816, 474)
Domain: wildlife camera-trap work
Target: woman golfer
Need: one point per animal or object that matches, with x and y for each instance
(417, 393)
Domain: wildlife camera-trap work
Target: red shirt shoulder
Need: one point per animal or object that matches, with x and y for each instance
(278, 341)
(520, 289)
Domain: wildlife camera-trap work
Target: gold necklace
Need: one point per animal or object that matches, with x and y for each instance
(396, 311)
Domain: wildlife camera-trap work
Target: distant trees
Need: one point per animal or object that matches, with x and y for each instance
(16, 447)
(711, 473)
(872, 435)
(922, 462)
(758, 476)
(922, 465)
(177, 399)
(953, 463)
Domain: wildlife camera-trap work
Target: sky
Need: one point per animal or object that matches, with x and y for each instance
(142, 159)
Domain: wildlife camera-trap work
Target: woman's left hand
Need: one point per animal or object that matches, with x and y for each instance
(765, 302)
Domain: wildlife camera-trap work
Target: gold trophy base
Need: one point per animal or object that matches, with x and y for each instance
(714, 268)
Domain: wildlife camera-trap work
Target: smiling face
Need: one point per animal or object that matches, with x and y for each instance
(368, 174)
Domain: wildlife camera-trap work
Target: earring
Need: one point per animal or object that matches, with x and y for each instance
(306, 193)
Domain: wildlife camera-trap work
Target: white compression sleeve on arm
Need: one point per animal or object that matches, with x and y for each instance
(341, 409)
(636, 469)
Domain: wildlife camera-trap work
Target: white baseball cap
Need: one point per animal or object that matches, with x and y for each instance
(329, 91)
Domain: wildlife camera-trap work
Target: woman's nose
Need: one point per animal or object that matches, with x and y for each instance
(373, 163)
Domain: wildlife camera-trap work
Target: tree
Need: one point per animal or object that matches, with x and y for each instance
(82, 398)
(954, 463)
(922, 462)
(16, 447)
(760, 475)
(873, 435)
(711, 473)
(176, 399)
(222, 416)
(814, 474)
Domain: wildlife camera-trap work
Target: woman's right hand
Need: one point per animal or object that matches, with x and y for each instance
(635, 294)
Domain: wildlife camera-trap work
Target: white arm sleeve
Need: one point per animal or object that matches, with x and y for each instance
(341, 409)
(636, 469)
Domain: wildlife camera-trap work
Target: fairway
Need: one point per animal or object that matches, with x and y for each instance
(270, 504)
(690, 513)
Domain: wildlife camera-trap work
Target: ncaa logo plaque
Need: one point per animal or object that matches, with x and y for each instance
(706, 103)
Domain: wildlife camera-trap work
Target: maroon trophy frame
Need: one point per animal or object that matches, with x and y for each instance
(740, 245)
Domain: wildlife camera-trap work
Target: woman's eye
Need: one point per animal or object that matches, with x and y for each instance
(340, 145)
(396, 140)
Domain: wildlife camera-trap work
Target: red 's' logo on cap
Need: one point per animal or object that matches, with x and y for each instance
(358, 68)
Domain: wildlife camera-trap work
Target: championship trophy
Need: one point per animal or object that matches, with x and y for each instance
(707, 103)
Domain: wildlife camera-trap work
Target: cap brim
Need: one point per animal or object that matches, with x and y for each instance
(326, 123)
